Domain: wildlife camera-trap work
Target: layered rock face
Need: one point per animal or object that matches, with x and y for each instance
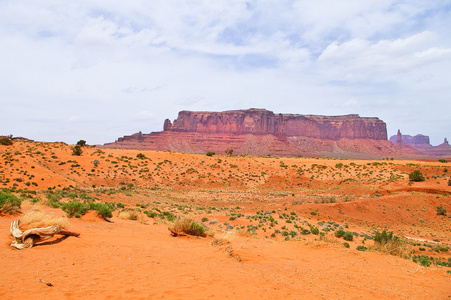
(261, 121)
(261, 132)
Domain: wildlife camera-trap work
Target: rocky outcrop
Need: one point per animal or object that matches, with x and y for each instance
(421, 143)
(262, 132)
(261, 121)
(417, 140)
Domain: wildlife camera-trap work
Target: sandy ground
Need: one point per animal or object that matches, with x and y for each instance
(130, 259)
(125, 259)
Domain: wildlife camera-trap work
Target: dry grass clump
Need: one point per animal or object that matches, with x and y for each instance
(40, 219)
(130, 214)
(223, 239)
(388, 243)
(188, 226)
(329, 238)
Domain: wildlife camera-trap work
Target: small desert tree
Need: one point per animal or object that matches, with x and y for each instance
(416, 176)
(228, 151)
(6, 141)
(76, 150)
(81, 143)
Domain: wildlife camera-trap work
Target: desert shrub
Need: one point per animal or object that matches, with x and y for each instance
(441, 211)
(81, 143)
(416, 176)
(346, 245)
(210, 153)
(387, 242)
(314, 230)
(140, 156)
(361, 248)
(131, 214)
(423, 260)
(74, 208)
(168, 216)
(76, 150)
(228, 151)
(103, 210)
(204, 219)
(120, 205)
(150, 214)
(443, 161)
(384, 236)
(9, 203)
(449, 182)
(347, 235)
(188, 226)
(6, 141)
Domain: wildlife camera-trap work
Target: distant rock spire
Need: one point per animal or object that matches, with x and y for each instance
(399, 137)
(446, 142)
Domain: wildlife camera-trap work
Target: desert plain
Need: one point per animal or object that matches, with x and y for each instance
(272, 226)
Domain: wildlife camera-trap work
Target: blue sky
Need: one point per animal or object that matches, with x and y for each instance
(97, 70)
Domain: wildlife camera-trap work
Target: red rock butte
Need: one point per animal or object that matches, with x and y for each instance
(262, 121)
(262, 132)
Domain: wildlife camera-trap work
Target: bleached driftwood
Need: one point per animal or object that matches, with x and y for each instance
(25, 240)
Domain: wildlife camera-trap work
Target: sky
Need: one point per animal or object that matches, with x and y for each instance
(100, 69)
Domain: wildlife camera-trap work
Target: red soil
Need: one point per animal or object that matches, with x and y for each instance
(129, 259)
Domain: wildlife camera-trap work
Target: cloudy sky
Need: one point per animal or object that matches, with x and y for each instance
(100, 69)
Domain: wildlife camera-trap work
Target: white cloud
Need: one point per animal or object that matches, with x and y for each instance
(126, 66)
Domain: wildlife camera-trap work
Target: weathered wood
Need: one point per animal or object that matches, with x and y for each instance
(25, 240)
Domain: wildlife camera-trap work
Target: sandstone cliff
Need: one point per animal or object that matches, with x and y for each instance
(261, 121)
(261, 132)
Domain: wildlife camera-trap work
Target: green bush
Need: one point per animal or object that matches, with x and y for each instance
(103, 210)
(76, 150)
(384, 237)
(424, 260)
(74, 208)
(314, 230)
(362, 248)
(441, 211)
(6, 141)
(347, 235)
(210, 153)
(346, 245)
(449, 182)
(416, 176)
(150, 214)
(443, 161)
(81, 143)
(9, 203)
(140, 156)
